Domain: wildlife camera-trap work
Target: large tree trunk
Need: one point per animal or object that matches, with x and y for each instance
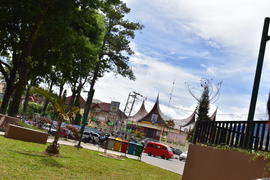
(20, 87)
(10, 85)
(61, 89)
(26, 100)
(72, 100)
(7, 95)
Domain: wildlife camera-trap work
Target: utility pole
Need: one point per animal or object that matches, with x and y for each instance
(126, 103)
(132, 97)
(256, 83)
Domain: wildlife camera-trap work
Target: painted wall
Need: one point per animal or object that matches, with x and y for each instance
(207, 163)
(26, 134)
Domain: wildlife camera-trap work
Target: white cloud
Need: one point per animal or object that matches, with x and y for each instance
(232, 27)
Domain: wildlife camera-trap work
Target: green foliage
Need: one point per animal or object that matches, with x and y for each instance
(57, 104)
(64, 41)
(41, 34)
(115, 51)
(62, 115)
(204, 105)
(33, 108)
(23, 124)
(77, 119)
(190, 135)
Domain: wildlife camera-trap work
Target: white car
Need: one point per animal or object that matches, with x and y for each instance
(183, 156)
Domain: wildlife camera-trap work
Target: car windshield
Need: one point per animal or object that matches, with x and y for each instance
(170, 149)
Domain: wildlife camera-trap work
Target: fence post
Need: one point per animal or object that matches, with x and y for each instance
(194, 136)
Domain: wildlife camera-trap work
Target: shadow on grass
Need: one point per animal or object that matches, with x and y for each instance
(49, 161)
(44, 158)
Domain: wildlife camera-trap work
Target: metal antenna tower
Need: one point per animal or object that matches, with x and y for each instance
(171, 94)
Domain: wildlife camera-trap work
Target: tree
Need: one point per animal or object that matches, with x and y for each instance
(203, 105)
(207, 93)
(114, 52)
(62, 116)
(30, 34)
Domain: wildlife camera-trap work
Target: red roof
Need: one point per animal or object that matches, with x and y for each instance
(81, 101)
(104, 106)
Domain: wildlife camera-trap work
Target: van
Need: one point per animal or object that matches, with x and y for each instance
(158, 149)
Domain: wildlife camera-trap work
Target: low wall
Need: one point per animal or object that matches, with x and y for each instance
(207, 163)
(25, 134)
(6, 120)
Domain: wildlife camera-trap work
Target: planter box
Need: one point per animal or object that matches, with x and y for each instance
(25, 134)
(207, 163)
(6, 120)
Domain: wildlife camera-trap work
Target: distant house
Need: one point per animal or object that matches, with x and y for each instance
(81, 102)
(101, 114)
(105, 115)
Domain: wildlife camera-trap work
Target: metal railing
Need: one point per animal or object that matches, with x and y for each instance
(233, 134)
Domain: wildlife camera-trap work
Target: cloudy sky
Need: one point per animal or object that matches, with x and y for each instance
(186, 40)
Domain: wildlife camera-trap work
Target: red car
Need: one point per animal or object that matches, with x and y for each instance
(158, 149)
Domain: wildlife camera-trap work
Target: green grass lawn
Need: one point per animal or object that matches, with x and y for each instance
(24, 160)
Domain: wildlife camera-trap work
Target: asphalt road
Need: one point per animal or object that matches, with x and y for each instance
(173, 165)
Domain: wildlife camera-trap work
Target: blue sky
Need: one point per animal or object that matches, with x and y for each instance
(184, 41)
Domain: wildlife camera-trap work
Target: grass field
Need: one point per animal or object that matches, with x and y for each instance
(24, 160)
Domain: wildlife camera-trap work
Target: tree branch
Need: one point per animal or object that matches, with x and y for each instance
(2, 70)
(6, 64)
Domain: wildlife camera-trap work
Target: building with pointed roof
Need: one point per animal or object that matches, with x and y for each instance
(139, 115)
(189, 120)
(214, 115)
(152, 123)
(155, 116)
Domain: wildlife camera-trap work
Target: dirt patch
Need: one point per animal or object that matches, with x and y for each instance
(112, 156)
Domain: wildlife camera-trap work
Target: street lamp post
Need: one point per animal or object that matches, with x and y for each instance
(256, 83)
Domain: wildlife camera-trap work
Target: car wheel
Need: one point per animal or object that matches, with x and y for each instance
(149, 154)
(163, 157)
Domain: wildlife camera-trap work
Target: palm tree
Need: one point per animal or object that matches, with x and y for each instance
(62, 115)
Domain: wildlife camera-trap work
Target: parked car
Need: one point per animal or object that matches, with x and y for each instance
(158, 149)
(183, 156)
(176, 151)
(64, 132)
(103, 138)
(90, 137)
(51, 129)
